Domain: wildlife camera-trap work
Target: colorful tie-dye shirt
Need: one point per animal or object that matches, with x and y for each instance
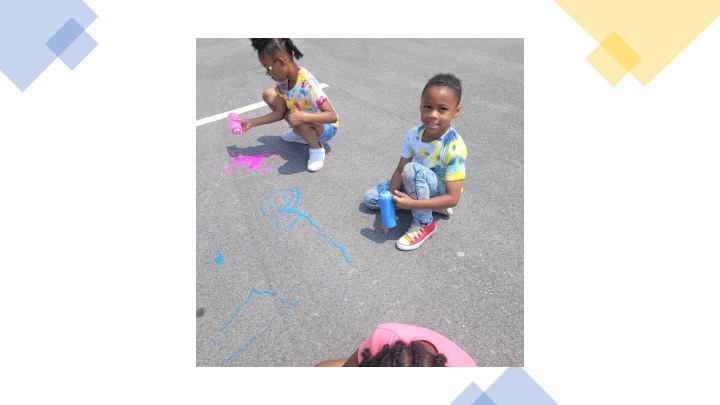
(445, 156)
(305, 96)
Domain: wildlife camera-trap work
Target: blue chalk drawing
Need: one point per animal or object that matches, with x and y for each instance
(281, 202)
(287, 305)
(219, 258)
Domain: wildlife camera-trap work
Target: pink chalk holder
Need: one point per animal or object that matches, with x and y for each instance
(235, 126)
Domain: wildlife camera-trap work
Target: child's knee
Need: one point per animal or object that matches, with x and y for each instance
(309, 130)
(269, 95)
(409, 171)
(316, 129)
(371, 198)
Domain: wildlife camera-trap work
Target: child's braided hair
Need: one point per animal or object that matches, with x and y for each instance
(271, 46)
(402, 355)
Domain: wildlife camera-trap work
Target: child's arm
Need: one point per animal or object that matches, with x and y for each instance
(349, 362)
(273, 116)
(396, 179)
(326, 115)
(447, 200)
(332, 363)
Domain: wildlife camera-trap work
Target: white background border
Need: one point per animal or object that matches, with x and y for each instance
(621, 217)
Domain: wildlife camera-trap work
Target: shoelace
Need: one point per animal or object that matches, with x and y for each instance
(414, 230)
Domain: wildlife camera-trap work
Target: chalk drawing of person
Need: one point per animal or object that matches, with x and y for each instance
(238, 332)
(280, 204)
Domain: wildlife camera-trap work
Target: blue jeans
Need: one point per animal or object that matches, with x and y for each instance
(419, 183)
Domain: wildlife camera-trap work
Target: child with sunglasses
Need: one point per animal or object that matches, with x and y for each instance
(296, 97)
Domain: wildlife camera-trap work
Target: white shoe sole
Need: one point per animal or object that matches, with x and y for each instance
(315, 168)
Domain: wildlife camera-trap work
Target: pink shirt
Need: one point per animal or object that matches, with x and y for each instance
(389, 333)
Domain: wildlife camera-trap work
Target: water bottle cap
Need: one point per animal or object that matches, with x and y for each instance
(385, 194)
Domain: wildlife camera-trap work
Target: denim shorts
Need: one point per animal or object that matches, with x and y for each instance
(328, 133)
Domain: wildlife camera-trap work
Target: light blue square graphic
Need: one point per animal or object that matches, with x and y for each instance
(31, 24)
(65, 36)
(78, 50)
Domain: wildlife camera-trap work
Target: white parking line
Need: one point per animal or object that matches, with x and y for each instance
(218, 117)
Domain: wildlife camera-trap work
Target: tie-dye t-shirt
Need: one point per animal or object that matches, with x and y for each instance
(305, 96)
(445, 156)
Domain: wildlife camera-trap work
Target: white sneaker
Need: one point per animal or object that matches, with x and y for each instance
(291, 136)
(444, 211)
(317, 159)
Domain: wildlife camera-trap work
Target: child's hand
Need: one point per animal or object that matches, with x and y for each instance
(246, 125)
(295, 118)
(402, 200)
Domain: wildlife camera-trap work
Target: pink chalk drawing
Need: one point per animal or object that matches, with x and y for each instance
(251, 162)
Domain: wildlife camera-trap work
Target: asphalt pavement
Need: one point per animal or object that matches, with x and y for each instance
(281, 289)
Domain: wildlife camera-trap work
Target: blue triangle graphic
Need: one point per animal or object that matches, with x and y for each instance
(516, 387)
(484, 400)
(469, 395)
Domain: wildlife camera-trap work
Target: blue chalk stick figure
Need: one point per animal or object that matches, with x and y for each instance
(280, 203)
(233, 322)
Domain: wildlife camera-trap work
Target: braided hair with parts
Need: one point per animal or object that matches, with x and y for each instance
(447, 80)
(402, 355)
(273, 46)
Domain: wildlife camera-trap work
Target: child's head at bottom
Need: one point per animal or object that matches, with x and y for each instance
(418, 354)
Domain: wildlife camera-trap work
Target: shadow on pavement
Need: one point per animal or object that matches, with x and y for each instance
(404, 220)
(294, 155)
(376, 233)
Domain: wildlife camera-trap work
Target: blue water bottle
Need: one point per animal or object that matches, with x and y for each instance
(387, 209)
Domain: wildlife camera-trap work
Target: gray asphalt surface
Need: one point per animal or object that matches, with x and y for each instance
(272, 297)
